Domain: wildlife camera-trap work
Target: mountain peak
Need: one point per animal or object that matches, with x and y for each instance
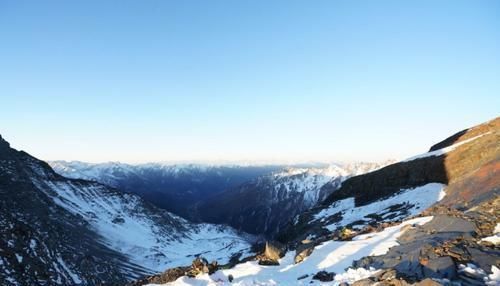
(4, 145)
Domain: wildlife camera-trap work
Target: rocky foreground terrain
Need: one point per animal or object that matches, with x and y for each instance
(433, 219)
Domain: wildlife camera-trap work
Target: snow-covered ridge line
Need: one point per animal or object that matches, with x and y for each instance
(331, 256)
(444, 150)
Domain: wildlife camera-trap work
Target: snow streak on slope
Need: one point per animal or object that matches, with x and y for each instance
(331, 256)
(444, 150)
(410, 201)
(151, 238)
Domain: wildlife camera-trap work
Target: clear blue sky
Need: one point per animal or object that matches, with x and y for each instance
(237, 80)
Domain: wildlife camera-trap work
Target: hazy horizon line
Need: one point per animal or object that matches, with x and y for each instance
(231, 162)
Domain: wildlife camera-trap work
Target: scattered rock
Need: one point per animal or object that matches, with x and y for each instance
(230, 277)
(169, 275)
(387, 274)
(364, 282)
(324, 276)
(268, 262)
(303, 251)
(441, 267)
(427, 282)
(274, 250)
(201, 266)
(303, 277)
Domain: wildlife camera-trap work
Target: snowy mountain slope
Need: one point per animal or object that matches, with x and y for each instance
(149, 237)
(69, 231)
(457, 180)
(268, 203)
(450, 165)
(176, 188)
(202, 193)
(454, 188)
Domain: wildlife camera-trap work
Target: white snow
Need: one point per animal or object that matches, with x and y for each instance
(444, 150)
(420, 198)
(494, 277)
(491, 280)
(310, 180)
(331, 256)
(495, 238)
(153, 241)
(76, 279)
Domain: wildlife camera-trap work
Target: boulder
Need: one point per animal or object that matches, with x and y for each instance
(441, 267)
(324, 276)
(364, 282)
(274, 250)
(427, 282)
(201, 266)
(303, 251)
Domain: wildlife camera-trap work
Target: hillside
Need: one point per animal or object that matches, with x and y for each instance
(60, 231)
(433, 219)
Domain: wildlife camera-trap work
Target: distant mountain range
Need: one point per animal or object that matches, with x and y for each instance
(176, 188)
(245, 197)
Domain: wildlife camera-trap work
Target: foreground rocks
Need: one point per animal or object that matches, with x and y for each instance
(199, 266)
(437, 249)
(324, 276)
(273, 251)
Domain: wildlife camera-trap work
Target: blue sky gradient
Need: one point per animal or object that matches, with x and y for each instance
(266, 80)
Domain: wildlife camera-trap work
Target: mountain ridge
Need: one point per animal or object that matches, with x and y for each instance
(71, 231)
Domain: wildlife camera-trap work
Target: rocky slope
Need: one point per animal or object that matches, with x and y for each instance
(266, 204)
(60, 231)
(468, 165)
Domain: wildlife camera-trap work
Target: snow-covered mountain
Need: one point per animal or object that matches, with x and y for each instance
(266, 204)
(60, 231)
(432, 219)
(205, 192)
(176, 188)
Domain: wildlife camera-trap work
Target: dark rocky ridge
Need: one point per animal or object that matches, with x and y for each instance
(60, 231)
(35, 231)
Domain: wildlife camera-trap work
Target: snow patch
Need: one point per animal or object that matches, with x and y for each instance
(491, 280)
(418, 199)
(495, 238)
